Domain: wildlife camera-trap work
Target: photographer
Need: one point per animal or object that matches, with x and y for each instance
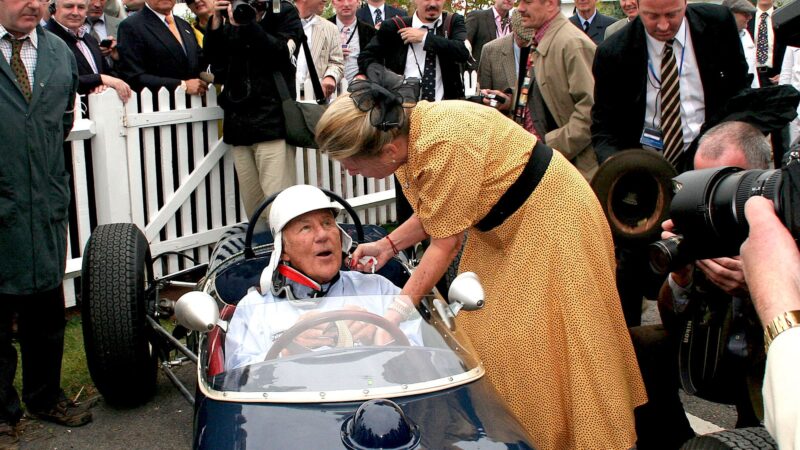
(775, 289)
(244, 57)
(705, 299)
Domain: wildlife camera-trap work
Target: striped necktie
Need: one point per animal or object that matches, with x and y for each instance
(671, 127)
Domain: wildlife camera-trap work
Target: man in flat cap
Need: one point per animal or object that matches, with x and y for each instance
(743, 12)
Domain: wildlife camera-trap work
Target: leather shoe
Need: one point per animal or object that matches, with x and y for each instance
(65, 412)
(8, 437)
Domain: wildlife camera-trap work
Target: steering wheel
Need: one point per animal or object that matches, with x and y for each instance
(333, 316)
(248, 237)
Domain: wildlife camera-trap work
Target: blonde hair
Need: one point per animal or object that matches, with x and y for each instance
(344, 131)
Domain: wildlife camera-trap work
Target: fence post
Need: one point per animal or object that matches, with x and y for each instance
(109, 158)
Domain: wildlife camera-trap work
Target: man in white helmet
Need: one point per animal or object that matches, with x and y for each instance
(303, 279)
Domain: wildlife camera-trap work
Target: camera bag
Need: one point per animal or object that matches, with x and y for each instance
(300, 118)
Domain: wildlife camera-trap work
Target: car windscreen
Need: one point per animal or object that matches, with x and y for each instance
(340, 349)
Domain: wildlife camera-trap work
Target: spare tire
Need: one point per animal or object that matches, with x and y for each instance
(117, 338)
(756, 438)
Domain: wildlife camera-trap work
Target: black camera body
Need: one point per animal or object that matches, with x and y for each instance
(479, 99)
(708, 210)
(246, 11)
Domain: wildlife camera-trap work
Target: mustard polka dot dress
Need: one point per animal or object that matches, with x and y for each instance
(551, 336)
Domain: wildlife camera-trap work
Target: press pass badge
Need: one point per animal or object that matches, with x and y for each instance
(652, 139)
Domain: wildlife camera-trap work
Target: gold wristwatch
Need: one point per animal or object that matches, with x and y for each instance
(783, 322)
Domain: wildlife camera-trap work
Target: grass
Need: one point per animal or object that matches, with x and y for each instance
(75, 377)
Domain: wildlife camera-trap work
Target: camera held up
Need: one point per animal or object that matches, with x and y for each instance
(707, 211)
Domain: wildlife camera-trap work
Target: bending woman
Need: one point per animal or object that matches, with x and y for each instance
(551, 336)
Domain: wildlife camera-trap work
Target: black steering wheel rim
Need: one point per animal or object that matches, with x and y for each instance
(248, 237)
(333, 316)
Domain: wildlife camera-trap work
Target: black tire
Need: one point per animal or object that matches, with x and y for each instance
(756, 438)
(116, 271)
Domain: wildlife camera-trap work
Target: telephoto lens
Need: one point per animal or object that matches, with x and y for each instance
(708, 212)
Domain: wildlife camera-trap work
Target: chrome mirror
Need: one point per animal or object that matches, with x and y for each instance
(197, 311)
(466, 292)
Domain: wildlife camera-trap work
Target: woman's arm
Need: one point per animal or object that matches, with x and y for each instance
(406, 235)
(433, 266)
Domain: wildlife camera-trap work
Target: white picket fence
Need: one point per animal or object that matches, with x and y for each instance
(167, 170)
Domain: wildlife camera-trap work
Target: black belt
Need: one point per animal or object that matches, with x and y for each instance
(763, 69)
(523, 187)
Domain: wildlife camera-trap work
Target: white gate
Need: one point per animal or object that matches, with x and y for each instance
(167, 170)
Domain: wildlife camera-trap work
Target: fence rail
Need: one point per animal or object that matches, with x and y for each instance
(159, 162)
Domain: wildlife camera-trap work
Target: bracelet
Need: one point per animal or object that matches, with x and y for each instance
(400, 307)
(783, 322)
(394, 248)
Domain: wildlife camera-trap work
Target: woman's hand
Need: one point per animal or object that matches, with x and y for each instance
(362, 258)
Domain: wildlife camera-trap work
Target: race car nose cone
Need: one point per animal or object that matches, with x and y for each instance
(380, 424)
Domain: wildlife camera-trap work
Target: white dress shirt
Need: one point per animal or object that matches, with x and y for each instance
(260, 320)
(99, 27)
(770, 33)
(415, 60)
(782, 391)
(750, 56)
(790, 75)
(693, 108)
(302, 64)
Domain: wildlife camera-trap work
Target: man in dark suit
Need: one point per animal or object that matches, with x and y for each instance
(484, 25)
(376, 11)
(103, 26)
(69, 23)
(157, 49)
(429, 46)
(708, 62)
(769, 59)
(354, 34)
(589, 19)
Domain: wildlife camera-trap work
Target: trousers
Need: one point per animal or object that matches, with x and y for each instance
(263, 169)
(40, 331)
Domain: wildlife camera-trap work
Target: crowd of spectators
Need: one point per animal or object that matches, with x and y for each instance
(586, 86)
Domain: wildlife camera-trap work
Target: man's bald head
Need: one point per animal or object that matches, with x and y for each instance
(733, 144)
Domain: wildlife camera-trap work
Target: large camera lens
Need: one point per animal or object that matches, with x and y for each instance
(708, 209)
(668, 254)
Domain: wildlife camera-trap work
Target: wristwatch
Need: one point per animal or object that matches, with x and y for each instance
(783, 322)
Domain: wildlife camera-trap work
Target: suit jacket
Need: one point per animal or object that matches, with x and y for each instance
(326, 50)
(151, 57)
(497, 68)
(112, 25)
(365, 31)
(87, 79)
(778, 46)
(387, 48)
(33, 179)
(614, 27)
(481, 28)
(597, 29)
(620, 73)
(363, 13)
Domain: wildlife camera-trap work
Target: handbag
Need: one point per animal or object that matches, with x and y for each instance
(300, 118)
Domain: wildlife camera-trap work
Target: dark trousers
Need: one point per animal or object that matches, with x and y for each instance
(635, 281)
(40, 331)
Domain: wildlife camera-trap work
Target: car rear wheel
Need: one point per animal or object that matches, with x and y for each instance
(755, 438)
(117, 270)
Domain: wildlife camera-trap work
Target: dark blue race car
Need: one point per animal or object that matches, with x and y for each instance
(424, 389)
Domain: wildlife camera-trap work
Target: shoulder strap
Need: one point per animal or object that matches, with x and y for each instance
(312, 71)
(447, 24)
(401, 24)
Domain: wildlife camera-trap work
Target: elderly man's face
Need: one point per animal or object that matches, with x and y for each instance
(161, 6)
(96, 8)
(345, 9)
(429, 10)
(71, 13)
(585, 7)
(662, 18)
(312, 244)
(630, 8)
(534, 13)
(20, 17)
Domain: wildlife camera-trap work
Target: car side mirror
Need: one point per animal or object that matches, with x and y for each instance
(197, 311)
(466, 292)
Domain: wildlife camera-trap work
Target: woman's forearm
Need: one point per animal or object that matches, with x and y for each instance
(433, 266)
(408, 233)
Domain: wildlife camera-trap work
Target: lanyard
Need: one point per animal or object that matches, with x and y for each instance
(352, 32)
(680, 68)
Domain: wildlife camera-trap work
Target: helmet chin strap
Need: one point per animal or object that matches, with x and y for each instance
(280, 287)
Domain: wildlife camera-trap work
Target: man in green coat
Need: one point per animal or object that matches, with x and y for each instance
(38, 80)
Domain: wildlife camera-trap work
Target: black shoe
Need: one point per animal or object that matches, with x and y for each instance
(65, 412)
(8, 437)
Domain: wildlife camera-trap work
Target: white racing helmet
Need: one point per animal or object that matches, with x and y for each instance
(293, 202)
